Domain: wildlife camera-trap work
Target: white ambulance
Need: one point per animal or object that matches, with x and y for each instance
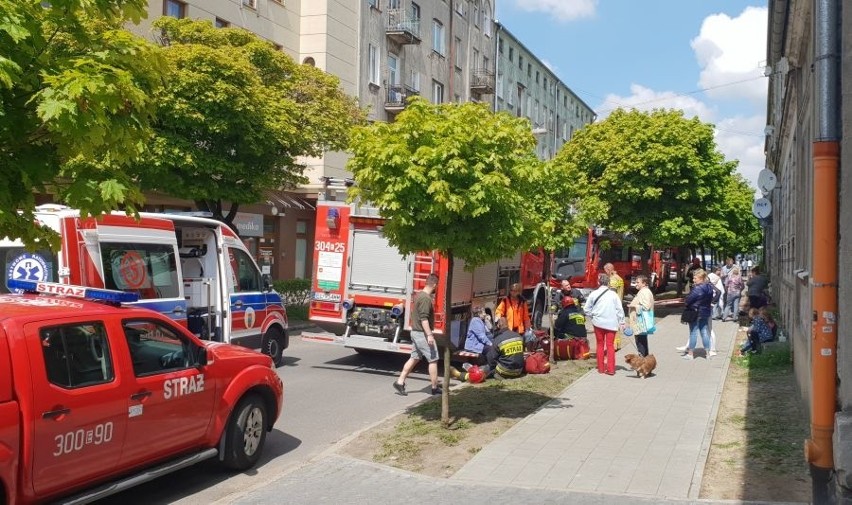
(192, 269)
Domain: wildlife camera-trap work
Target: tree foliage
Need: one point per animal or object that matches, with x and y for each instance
(452, 178)
(236, 114)
(657, 176)
(76, 101)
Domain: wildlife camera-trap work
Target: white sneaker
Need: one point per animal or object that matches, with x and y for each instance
(681, 348)
(712, 353)
(687, 356)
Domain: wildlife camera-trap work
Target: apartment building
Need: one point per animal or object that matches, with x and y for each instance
(442, 50)
(528, 88)
(808, 234)
(383, 52)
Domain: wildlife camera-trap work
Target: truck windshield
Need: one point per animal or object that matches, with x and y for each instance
(18, 263)
(576, 251)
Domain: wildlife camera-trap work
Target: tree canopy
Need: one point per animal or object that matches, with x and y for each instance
(76, 100)
(658, 177)
(235, 115)
(453, 178)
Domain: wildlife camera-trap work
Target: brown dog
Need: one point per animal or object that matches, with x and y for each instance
(643, 366)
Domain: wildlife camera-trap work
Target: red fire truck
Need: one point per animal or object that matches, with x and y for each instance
(363, 288)
(584, 260)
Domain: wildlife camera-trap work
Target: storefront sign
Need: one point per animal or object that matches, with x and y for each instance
(249, 225)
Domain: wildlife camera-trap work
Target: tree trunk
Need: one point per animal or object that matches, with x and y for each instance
(448, 312)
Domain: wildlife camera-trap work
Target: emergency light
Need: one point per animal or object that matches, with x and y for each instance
(54, 288)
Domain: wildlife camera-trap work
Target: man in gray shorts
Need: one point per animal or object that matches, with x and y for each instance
(422, 338)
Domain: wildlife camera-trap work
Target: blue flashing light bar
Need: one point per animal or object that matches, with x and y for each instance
(53, 288)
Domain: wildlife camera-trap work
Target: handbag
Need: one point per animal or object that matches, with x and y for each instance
(645, 323)
(689, 315)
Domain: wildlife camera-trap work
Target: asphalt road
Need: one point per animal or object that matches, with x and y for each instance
(329, 393)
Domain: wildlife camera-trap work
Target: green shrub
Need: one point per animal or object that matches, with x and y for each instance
(297, 312)
(294, 291)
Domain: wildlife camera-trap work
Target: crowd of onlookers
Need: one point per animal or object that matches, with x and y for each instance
(501, 343)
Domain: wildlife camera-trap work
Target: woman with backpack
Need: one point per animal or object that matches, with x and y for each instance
(699, 299)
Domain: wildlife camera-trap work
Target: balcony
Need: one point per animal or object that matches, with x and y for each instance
(482, 81)
(397, 97)
(402, 28)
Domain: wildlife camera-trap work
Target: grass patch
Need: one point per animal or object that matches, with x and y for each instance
(774, 426)
(494, 405)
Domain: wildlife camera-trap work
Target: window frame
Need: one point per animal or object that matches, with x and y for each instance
(177, 3)
(68, 352)
(438, 35)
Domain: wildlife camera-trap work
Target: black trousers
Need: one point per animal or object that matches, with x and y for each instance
(642, 344)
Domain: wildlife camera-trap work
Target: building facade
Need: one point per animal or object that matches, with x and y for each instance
(526, 87)
(809, 231)
(383, 52)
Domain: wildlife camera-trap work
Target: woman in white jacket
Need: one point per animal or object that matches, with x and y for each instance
(603, 307)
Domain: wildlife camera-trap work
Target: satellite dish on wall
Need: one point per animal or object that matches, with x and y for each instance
(761, 208)
(766, 181)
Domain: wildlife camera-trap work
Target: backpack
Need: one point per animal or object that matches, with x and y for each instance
(717, 294)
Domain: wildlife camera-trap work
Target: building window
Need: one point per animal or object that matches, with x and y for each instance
(437, 92)
(475, 14)
(529, 70)
(520, 62)
(373, 3)
(537, 76)
(310, 61)
(373, 57)
(251, 4)
(174, 8)
(438, 44)
(460, 7)
(511, 53)
(414, 80)
(486, 63)
(393, 4)
(393, 70)
(458, 55)
(221, 23)
(486, 18)
(415, 13)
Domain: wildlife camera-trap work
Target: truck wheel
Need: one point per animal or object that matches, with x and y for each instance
(273, 345)
(538, 314)
(245, 434)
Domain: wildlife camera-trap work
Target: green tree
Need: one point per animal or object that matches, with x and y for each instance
(654, 175)
(452, 178)
(76, 101)
(235, 116)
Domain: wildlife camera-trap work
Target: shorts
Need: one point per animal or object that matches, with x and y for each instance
(422, 349)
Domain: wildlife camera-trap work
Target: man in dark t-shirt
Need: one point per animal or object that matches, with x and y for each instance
(422, 338)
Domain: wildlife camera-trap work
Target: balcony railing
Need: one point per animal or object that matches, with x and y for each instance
(402, 28)
(397, 96)
(482, 81)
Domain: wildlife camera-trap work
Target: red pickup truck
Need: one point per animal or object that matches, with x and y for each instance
(96, 397)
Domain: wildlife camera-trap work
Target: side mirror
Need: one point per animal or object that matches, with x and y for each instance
(201, 360)
(267, 282)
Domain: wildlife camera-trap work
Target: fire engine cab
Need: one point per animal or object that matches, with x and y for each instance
(363, 287)
(96, 397)
(191, 269)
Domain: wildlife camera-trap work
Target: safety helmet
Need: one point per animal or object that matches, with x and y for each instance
(475, 375)
(567, 301)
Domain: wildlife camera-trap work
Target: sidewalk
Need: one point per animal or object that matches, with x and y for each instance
(642, 437)
(605, 440)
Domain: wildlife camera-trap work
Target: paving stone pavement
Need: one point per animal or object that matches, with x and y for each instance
(605, 440)
(620, 434)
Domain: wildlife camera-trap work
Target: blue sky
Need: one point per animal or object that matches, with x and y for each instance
(703, 56)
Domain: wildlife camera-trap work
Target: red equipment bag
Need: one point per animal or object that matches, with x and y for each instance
(578, 348)
(563, 350)
(536, 363)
